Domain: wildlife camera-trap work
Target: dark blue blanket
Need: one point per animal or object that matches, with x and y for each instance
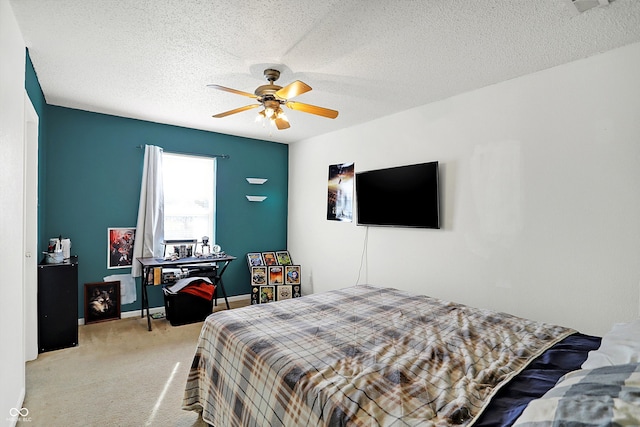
(535, 380)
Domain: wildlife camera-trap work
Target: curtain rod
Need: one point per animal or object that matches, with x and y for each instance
(222, 156)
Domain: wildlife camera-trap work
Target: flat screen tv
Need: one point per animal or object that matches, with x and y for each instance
(403, 196)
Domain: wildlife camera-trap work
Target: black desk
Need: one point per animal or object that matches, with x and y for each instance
(214, 273)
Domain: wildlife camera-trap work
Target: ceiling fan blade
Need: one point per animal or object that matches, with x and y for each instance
(237, 110)
(282, 124)
(293, 89)
(236, 91)
(308, 108)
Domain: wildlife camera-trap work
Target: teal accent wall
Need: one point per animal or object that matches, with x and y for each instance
(93, 172)
(90, 168)
(34, 91)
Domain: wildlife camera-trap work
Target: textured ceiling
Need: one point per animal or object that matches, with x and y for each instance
(152, 59)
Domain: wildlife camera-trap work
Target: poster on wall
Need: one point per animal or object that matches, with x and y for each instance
(340, 194)
(120, 247)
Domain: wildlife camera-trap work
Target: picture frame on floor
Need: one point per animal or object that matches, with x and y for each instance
(254, 259)
(101, 301)
(276, 275)
(258, 275)
(284, 292)
(291, 274)
(267, 294)
(269, 258)
(284, 258)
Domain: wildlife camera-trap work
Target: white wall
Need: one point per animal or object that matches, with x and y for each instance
(540, 182)
(12, 368)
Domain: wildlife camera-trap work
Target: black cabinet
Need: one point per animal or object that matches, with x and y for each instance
(58, 305)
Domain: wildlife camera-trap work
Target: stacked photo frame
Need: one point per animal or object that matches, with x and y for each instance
(274, 277)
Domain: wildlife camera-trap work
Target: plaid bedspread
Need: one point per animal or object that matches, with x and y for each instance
(607, 396)
(359, 356)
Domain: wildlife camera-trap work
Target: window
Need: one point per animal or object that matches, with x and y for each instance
(189, 196)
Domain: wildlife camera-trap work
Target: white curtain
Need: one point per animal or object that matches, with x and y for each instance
(150, 226)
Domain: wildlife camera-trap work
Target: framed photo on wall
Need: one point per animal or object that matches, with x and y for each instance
(254, 259)
(258, 275)
(276, 275)
(284, 292)
(284, 258)
(120, 247)
(101, 301)
(269, 258)
(340, 192)
(291, 274)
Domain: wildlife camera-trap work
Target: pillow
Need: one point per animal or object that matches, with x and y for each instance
(619, 346)
(605, 396)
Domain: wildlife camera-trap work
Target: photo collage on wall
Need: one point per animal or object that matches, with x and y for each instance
(274, 277)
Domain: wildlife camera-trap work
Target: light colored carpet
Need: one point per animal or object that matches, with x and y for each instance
(120, 374)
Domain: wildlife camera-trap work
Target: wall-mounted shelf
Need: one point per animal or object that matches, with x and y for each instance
(256, 198)
(256, 180)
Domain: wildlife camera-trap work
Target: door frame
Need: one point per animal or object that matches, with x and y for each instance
(30, 231)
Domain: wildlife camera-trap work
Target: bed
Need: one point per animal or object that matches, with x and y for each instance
(371, 356)
(605, 391)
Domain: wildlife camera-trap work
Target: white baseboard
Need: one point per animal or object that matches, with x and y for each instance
(136, 313)
(152, 310)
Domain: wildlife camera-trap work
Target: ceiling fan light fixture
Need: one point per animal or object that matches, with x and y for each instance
(269, 113)
(276, 118)
(281, 115)
(272, 97)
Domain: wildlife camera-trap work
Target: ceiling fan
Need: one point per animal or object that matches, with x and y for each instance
(272, 97)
